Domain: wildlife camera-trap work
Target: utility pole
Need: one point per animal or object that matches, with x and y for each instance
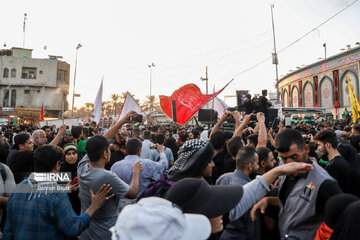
(151, 66)
(274, 56)
(73, 100)
(24, 28)
(206, 79)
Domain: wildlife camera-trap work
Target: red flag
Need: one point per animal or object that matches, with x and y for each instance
(189, 100)
(42, 113)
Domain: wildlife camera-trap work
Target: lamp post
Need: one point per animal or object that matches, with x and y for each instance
(151, 66)
(275, 58)
(73, 100)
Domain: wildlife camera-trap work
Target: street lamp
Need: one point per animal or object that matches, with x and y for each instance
(151, 66)
(73, 100)
(274, 57)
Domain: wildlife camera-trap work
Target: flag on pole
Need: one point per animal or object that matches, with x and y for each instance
(42, 118)
(129, 105)
(98, 103)
(188, 100)
(219, 106)
(355, 107)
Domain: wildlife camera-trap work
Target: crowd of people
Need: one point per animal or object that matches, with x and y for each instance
(134, 181)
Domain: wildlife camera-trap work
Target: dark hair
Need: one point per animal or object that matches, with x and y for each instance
(253, 138)
(357, 128)
(155, 128)
(286, 138)
(160, 138)
(263, 92)
(133, 146)
(245, 156)
(228, 135)
(20, 138)
(95, 147)
(76, 131)
(248, 96)
(183, 137)
(263, 153)
(196, 133)
(45, 127)
(327, 136)
(217, 139)
(86, 132)
(46, 157)
(234, 145)
(147, 134)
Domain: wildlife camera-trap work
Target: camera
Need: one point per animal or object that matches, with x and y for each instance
(230, 118)
(253, 117)
(137, 118)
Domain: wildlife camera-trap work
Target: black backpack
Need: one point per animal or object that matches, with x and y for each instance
(157, 188)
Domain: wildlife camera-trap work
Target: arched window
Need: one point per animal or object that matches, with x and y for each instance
(6, 73)
(6, 98)
(13, 73)
(13, 98)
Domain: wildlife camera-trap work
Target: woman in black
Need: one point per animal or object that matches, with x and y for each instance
(69, 164)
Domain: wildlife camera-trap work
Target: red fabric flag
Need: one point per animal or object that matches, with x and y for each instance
(42, 118)
(189, 100)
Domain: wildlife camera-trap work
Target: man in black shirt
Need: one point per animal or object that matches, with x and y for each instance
(248, 104)
(263, 103)
(337, 166)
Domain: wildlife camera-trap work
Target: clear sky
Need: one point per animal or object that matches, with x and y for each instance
(121, 38)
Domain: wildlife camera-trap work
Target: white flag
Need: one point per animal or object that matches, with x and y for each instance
(98, 103)
(219, 106)
(129, 105)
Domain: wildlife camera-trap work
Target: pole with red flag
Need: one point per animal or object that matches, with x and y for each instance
(42, 118)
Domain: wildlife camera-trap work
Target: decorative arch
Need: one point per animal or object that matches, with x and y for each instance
(285, 98)
(292, 96)
(356, 88)
(304, 94)
(331, 92)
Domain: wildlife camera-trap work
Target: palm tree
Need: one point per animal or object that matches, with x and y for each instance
(151, 101)
(114, 98)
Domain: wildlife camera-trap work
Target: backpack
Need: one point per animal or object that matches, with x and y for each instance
(157, 188)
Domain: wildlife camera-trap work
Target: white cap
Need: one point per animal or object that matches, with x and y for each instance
(158, 218)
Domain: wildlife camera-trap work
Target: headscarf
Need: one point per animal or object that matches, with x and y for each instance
(193, 157)
(67, 167)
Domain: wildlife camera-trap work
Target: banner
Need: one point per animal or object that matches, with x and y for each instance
(188, 100)
(129, 105)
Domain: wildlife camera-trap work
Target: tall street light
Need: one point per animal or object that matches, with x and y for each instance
(73, 100)
(274, 55)
(151, 66)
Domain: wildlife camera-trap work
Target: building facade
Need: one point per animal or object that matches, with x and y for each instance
(323, 84)
(27, 83)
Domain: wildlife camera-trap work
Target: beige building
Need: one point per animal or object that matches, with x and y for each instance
(26, 83)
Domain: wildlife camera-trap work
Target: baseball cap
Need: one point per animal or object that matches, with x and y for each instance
(195, 195)
(158, 218)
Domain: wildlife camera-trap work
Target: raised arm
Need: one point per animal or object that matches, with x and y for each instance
(218, 124)
(262, 138)
(58, 136)
(115, 128)
(240, 129)
(134, 185)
